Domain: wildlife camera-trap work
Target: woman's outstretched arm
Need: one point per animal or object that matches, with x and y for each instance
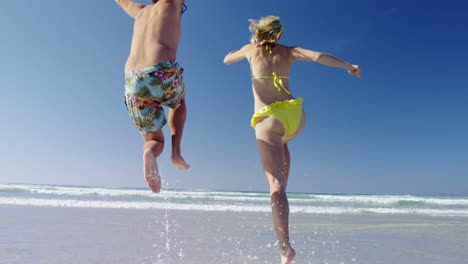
(299, 53)
(237, 55)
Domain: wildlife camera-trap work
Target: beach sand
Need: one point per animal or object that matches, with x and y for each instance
(47, 235)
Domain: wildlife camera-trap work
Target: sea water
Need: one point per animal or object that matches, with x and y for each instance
(233, 201)
(44, 224)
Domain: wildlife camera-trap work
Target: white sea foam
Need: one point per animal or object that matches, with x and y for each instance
(232, 196)
(387, 199)
(99, 197)
(221, 207)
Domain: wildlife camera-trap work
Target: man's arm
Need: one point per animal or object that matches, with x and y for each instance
(326, 59)
(235, 56)
(130, 7)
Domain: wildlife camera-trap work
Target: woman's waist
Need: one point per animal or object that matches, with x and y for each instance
(259, 104)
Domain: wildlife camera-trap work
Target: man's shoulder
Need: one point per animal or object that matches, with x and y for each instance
(172, 1)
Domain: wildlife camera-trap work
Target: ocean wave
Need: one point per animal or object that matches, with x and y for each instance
(403, 202)
(70, 203)
(394, 199)
(133, 193)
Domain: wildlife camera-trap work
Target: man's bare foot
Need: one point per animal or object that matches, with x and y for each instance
(177, 160)
(287, 255)
(152, 176)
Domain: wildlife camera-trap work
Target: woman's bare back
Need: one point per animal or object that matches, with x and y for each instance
(264, 64)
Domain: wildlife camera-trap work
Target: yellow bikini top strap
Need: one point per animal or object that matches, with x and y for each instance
(277, 81)
(268, 47)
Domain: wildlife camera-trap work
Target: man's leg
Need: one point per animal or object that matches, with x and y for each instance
(176, 125)
(152, 148)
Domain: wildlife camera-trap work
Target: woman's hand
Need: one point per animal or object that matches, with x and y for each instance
(355, 70)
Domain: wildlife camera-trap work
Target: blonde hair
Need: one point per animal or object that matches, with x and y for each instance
(266, 31)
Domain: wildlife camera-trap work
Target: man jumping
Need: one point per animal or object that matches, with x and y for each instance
(154, 79)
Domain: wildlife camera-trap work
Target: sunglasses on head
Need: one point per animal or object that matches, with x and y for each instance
(184, 7)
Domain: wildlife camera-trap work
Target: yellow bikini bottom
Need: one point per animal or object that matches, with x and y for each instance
(288, 113)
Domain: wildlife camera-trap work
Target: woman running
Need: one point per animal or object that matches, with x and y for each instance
(279, 116)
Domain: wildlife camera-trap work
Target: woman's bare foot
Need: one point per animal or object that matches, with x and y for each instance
(287, 255)
(152, 176)
(177, 160)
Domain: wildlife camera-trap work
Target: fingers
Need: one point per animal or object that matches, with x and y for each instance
(356, 71)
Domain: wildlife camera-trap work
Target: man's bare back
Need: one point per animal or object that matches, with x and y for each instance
(156, 32)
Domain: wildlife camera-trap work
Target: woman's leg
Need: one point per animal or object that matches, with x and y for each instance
(287, 161)
(269, 133)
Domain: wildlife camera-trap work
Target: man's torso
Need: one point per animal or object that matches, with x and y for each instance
(156, 35)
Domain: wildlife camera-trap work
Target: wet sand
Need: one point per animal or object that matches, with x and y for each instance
(51, 235)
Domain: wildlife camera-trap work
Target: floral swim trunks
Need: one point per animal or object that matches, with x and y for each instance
(148, 89)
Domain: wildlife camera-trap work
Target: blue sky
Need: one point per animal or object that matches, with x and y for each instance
(399, 130)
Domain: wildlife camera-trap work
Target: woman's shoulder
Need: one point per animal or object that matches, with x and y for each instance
(287, 49)
(250, 46)
(284, 46)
